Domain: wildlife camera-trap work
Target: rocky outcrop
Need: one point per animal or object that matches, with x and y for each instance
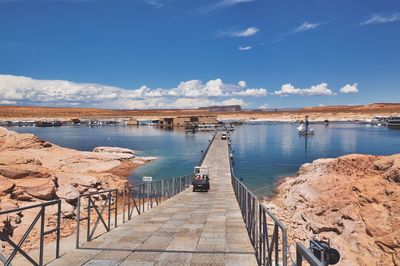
(114, 150)
(33, 170)
(354, 201)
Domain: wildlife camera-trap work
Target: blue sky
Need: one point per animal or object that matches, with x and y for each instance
(187, 53)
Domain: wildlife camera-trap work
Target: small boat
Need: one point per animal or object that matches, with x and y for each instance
(303, 130)
(205, 127)
(394, 122)
(326, 122)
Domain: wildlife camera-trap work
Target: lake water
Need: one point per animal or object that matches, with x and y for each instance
(262, 153)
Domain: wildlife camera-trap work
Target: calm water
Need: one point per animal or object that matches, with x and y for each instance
(266, 152)
(263, 153)
(176, 151)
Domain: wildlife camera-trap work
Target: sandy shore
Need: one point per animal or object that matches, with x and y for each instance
(331, 113)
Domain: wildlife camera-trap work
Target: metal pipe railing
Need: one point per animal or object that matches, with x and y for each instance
(102, 213)
(203, 156)
(270, 244)
(267, 233)
(135, 197)
(302, 253)
(7, 232)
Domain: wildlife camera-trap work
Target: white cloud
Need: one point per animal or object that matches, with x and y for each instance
(244, 33)
(306, 26)
(6, 102)
(234, 101)
(224, 4)
(289, 89)
(381, 19)
(251, 93)
(264, 106)
(24, 90)
(245, 48)
(349, 88)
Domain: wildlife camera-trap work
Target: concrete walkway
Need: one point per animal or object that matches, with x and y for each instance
(192, 228)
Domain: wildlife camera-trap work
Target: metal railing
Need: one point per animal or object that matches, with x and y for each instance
(270, 244)
(135, 197)
(302, 253)
(101, 206)
(271, 247)
(204, 153)
(7, 232)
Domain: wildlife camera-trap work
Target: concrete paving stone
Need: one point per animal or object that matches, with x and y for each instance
(74, 258)
(239, 247)
(113, 255)
(101, 262)
(139, 256)
(173, 258)
(182, 245)
(208, 259)
(204, 239)
(240, 259)
(210, 247)
(160, 244)
(136, 263)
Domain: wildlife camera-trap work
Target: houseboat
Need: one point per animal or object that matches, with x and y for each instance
(394, 122)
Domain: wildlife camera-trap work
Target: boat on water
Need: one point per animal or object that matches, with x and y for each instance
(394, 122)
(205, 127)
(303, 131)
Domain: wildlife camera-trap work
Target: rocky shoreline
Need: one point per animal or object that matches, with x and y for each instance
(34, 171)
(352, 201)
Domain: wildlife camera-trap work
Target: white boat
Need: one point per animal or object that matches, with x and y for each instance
(394, 122)
(206, 127)
(302, 131)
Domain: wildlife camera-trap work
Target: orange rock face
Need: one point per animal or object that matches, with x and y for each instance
(354, 201)
(33, 171)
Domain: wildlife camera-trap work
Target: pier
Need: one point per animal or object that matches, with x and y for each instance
(197, 228)
(165, 223)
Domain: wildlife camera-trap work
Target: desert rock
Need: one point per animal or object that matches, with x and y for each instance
(114, 150)
(353, 201)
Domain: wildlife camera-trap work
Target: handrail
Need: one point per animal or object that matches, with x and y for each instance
(110, 203)
(304, 253)
(270, 247)
(135, 196)
(203, 156)
(8, 229)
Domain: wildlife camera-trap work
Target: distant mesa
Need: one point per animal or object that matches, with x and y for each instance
(224, 108)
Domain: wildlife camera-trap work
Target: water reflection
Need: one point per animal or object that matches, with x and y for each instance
(263, 153)
(263, 162)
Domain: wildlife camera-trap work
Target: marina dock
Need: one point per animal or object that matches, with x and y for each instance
(191, 228)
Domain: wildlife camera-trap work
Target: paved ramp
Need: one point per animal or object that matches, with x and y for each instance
(192, 228)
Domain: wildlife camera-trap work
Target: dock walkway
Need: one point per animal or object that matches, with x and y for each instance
(191, 228)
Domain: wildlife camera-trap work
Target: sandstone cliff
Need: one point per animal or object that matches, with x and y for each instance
(33, 171)
(354, 201)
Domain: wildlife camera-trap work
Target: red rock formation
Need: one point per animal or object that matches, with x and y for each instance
(354, 201)
(33, 170)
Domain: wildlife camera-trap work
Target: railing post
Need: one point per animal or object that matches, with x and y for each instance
(88, 218)
(109, 210)
(58, 232)
(42, 221)
(123, 204)
(78, 219)
(116, 208)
